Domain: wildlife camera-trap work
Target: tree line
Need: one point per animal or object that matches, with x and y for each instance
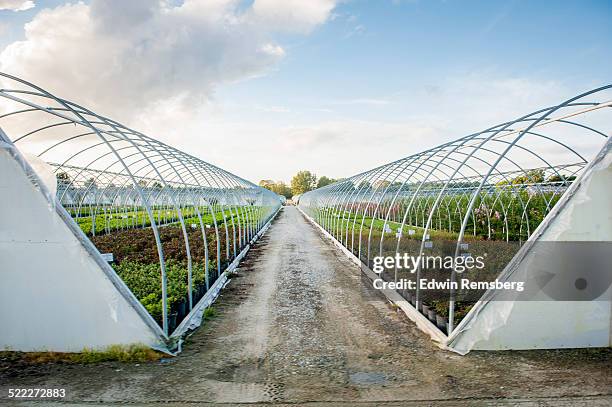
(301, 182)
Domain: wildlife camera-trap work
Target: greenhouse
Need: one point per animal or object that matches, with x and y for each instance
(110, 236)
(517, 193)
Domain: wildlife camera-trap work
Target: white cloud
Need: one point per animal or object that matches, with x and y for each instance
(341, 144)
(273, 109)
(335, 147)
(293, 15)
(273, 50)
(474, 101)
(120, 58)
(374, 142)
(363, 101)
(16, 5)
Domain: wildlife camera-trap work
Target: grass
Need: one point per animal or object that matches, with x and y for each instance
(210, 313)
(136, 353)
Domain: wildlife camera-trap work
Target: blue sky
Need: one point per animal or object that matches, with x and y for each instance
(387, 51)
(365, 82)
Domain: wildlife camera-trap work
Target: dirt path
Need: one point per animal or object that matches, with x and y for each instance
(299, 326)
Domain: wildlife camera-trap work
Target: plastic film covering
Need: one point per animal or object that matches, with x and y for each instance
(49, 250)
(484, 194)
(582, 215)
(168, 223)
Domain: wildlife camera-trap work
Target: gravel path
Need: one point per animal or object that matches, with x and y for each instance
(297, 325)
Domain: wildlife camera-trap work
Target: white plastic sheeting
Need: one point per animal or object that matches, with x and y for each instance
(56, 291)
(584, 214)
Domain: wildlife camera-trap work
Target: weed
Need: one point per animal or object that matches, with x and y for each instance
(135, 353)
(210, 313)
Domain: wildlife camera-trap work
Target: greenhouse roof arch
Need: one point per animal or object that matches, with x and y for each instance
(497, 186)
(113, 181)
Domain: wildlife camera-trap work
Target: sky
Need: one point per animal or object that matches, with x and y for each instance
(265, 88)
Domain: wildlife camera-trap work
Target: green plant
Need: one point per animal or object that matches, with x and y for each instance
(135, 353)
(144, 280)
(209, 313)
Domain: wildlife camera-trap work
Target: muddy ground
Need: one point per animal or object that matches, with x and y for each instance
(298, 325)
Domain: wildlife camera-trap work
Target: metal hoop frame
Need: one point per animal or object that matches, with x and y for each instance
(492, 176)
(107, 169)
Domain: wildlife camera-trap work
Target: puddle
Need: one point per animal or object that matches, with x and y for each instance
(368, 378)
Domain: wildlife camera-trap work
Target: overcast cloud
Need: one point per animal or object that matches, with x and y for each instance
(122, 57)
(16, 5)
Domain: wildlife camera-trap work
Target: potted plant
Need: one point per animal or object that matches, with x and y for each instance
(181, 309)
(441, 322)
(425, 310)
(172, 322)
(201, 291)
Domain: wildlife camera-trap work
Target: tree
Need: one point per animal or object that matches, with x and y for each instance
(531, 177)
(279, 187)
(63, 177)
(282, 189)
(560, 178)
(323, 181)
(364, 186)
(381, 184)
(303, 181)
(267, 184)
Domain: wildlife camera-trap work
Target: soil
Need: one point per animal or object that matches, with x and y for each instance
(298, 325)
